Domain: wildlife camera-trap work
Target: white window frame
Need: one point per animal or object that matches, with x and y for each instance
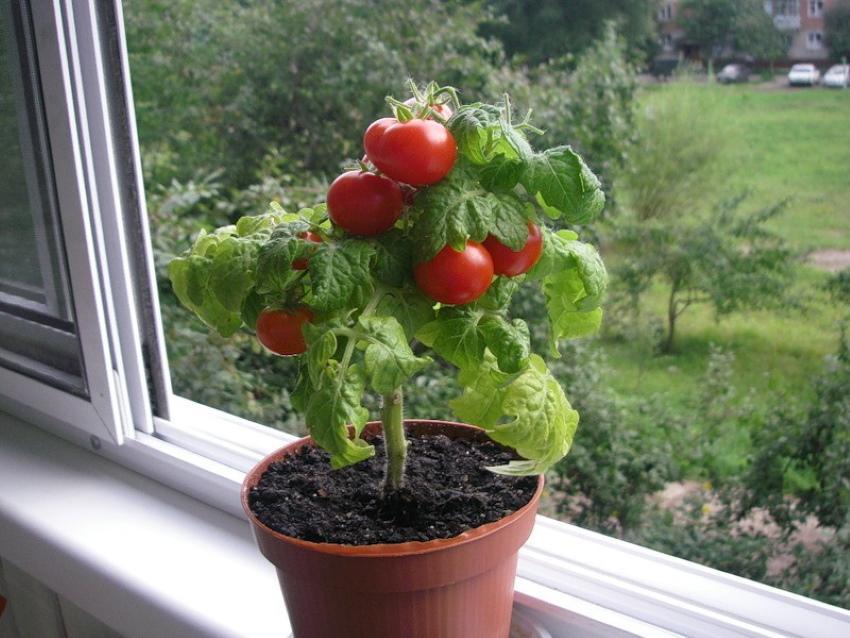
(204, 452)
(815, 8)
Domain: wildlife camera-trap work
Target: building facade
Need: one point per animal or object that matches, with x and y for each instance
(804, 18)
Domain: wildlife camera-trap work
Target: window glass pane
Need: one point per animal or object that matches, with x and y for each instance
(714, 422)
(37, 333)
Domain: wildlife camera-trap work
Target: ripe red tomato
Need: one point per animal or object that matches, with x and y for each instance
(301, 264)
(416, 152)
(453, 277)
(443, 110)
(280, 330)
(510, 262)
(362, 203)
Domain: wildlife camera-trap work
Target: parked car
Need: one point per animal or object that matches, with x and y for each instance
(734, 73)
(803, 75)
(838, 76)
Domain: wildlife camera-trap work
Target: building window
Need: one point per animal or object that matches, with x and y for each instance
(814, 40)
(815, 8)
(786, 8)
(667, 41)
(665, 13)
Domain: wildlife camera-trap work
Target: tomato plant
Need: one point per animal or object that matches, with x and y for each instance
(511, 263)
(456, 277)
(280, 330)
(416, 152)
(362, 203)
(396, 257)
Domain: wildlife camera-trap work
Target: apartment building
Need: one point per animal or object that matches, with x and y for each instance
(804, 18)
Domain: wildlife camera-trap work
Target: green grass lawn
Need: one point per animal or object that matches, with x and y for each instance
(785, 144)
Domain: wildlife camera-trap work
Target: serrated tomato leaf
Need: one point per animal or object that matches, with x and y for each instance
(340, 274)
(528, 412)
(333, 404)
(561, 180)
(388, 359)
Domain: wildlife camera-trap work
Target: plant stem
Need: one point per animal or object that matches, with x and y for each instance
(396, 444)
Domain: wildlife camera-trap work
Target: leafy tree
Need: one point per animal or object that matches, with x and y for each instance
(538, 31)
(837, 29)
(743, 26)
(723, 258)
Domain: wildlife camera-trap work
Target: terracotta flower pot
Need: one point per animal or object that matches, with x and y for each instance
(460, 587)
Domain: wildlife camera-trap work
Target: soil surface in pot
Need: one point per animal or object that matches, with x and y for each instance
(447, 491)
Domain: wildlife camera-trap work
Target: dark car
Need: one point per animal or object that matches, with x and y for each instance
(734, 73)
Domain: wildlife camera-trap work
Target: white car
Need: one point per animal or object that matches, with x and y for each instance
(803, 75)
(837, 76)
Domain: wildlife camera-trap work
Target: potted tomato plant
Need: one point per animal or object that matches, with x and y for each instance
(394, 527)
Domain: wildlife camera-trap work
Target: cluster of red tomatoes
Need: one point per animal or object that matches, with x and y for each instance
(407, 155)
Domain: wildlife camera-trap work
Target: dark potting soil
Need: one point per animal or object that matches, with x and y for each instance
(447, 491)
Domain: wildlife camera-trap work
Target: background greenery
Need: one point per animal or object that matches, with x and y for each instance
(729, 441)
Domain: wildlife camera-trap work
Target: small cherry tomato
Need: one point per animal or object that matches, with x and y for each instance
(301, 264)
(362, 203)
(510, 262)
(280, 330)
(416, 152)
(456, 277)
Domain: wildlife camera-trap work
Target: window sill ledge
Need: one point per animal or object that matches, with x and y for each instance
(139, 556)
(148, 560)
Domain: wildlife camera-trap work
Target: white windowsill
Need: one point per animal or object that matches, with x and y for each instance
(148, 560)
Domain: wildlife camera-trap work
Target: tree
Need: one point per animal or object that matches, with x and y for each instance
(542, 30)
(837, 29)
(671, 228)
(723, 258)
(741, 26)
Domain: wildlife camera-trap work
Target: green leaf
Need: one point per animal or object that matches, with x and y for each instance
(460, 336)
(333, 404)
(188, 278)
(501, 173)
(340, 274)
(216, 277)
(561, 180)
(253, 305)
(458, 209)
(510, 342)
(454, 336)
(393, 258)
(231, 274)
(274, 262)
(321, 346)
(574, 284)
(541, 422)
(474, 126)
(498, 295)
(451, 212)
(509, 220)
(409, 306)
(388, 359)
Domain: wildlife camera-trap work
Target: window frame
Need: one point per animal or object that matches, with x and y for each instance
(135, 421)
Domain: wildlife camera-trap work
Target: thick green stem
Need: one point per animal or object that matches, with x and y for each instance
(396, 444)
